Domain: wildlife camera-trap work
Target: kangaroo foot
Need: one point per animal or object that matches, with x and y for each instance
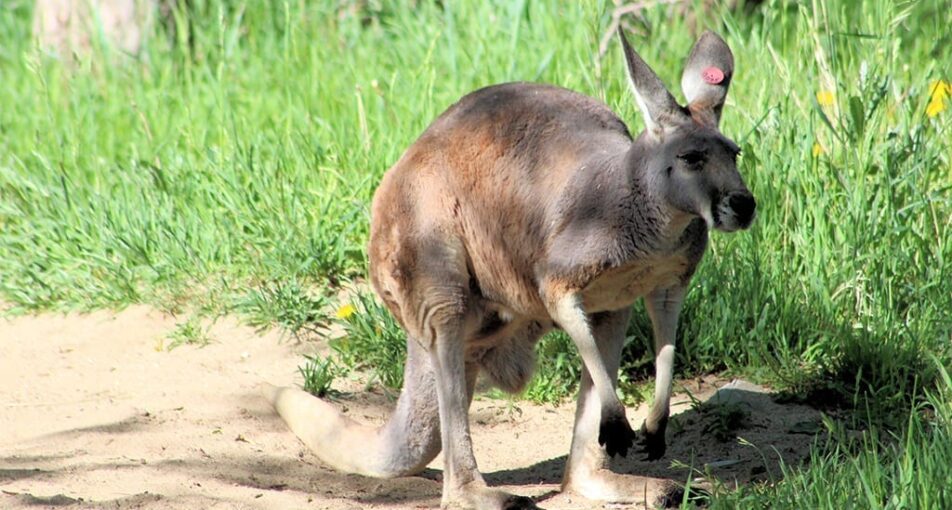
(480, 497)
(604, 485)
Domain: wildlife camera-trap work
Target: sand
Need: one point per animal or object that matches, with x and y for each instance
(95, 412)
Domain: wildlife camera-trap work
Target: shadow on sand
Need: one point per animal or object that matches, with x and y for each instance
(738, 436)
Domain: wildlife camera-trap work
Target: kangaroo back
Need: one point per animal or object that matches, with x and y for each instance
(491, 172)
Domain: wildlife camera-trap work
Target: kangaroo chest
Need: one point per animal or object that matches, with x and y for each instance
(619, 287)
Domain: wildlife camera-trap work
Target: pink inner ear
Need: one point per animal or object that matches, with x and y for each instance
(712, 75)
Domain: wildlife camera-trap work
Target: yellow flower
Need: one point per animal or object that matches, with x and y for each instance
(817, 149)
(939, 91)
(345, 311)
(825, 98)
(935, 107)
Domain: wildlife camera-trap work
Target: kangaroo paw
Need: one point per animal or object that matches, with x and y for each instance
(615, 433)
(652, 443)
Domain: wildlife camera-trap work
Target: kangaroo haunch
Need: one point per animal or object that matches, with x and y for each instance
(524, 208)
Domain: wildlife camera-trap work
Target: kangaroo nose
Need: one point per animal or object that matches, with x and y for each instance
(743, 205)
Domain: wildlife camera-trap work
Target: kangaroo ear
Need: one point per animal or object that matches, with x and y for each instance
(707, 74)
(657, 105)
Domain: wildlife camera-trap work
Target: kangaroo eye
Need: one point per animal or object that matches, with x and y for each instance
(692, 158)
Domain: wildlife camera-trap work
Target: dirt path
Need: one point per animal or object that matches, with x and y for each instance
(94, 414)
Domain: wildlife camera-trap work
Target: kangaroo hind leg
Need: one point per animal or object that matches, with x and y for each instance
(436, 301)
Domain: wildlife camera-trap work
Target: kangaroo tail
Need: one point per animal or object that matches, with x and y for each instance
(403, 446)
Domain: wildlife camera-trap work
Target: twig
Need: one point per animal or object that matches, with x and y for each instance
(617, 14)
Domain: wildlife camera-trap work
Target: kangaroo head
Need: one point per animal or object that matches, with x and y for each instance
(692, 165)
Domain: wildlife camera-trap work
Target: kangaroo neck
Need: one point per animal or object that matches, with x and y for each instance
(653, 222)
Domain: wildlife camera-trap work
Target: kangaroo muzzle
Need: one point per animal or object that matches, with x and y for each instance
(735, 211)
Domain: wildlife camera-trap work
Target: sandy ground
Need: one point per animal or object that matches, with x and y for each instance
(95, 414)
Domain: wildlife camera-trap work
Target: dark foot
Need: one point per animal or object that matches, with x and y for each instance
(615, 434)
(519, 503)
(652, 443)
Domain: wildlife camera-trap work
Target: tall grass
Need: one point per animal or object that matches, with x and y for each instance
(230, 168)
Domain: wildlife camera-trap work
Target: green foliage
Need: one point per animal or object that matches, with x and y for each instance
(722, 420)
(189, 332)
(373, 341)
(558, 369)
(286, 305)
(881, 380)
(876, 469)
(246, 148)
(318, 375)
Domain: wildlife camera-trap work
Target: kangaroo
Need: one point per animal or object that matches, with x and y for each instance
(523, 208)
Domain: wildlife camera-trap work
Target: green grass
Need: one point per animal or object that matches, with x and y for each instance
(286, 305)
(875, 469)
(188, 332)
(231, 168)
(318, 375)
(372, 341)
(558, 370)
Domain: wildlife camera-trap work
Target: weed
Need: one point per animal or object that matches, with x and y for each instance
(188, 332)
(558, 369)
(373, 340)
(318, 375)
(286, 305)
(877, 469)
(231, 169)
(722, 420)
